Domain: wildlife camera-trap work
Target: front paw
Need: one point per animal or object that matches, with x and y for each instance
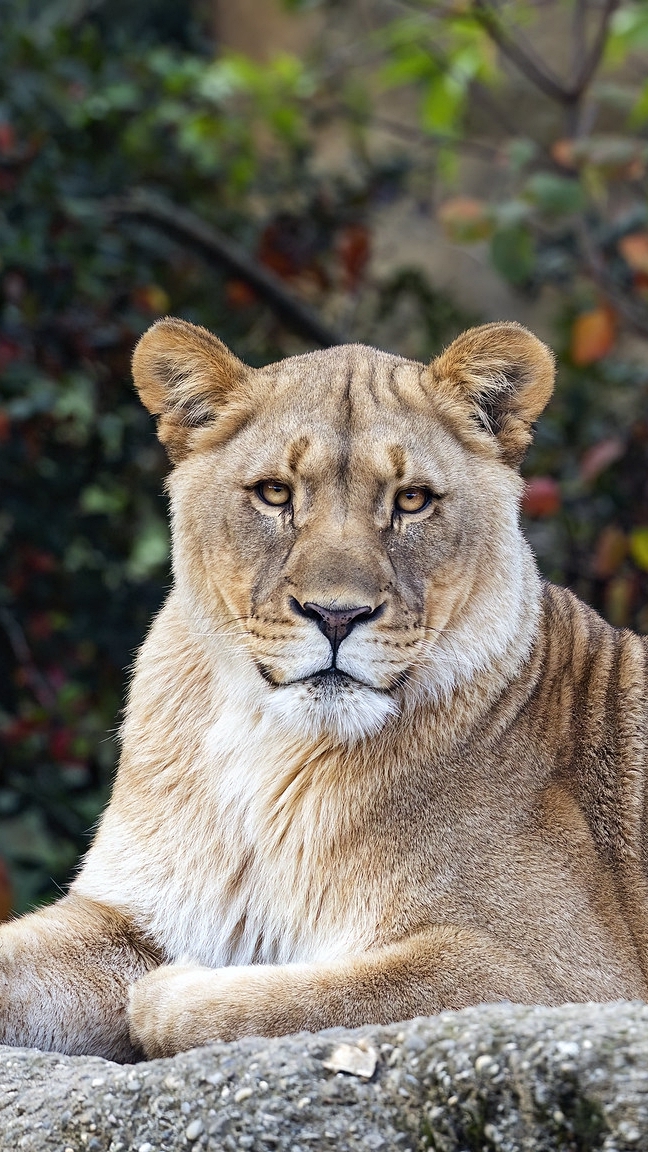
(155, 1004)
(181, 1006)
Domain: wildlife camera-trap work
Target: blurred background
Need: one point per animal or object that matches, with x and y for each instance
(290, 175)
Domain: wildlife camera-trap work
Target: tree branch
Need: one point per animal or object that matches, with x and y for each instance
(593, 59)
(220, 251)
(542, 79)
(579, 36)
(428, 139)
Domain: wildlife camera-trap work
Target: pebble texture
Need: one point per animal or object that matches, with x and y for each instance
(494, 1077)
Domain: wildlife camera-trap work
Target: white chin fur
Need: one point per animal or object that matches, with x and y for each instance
(349, 712)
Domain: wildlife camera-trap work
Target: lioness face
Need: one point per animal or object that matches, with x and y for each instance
(347, 537)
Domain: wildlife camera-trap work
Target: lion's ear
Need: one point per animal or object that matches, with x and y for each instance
(183, 375)
(505, 376)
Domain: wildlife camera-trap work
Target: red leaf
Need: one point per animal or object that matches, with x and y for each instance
(60, 743)
(600, 456)
(9, 350)
(354, 250)
(592, 335)
(562, 152)
(151, 298)
(541, 497)
(20, 728)
(40, 561)
(40, 625)
(239, 294)
(7, 137)
(465, 219)
(634, 249)
(610, 552)
(287, 246)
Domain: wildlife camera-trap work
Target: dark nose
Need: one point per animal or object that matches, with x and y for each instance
(335, 623)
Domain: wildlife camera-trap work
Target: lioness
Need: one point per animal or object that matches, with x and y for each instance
(373, 767)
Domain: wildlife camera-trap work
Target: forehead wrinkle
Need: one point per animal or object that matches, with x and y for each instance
(397, 460)
(297, 451)
(407, 386)
(381, 457)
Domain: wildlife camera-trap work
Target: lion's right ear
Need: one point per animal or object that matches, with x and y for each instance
(183, 374)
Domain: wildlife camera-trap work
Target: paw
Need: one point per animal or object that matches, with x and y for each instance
(155, 1004)
(181, 1006)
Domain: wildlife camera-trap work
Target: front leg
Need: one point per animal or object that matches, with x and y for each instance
(181, 1006)
(64, 978)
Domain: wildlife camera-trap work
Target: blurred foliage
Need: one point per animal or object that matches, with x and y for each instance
(90, 108)
(533, 148)
(541, 171)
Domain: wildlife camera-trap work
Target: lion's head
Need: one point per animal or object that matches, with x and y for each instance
(345, 523)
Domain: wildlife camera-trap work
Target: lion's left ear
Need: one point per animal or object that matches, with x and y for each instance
(183, 375)
(504, 375)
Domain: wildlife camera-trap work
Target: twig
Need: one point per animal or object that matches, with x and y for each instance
(418, 136)
(593, 59)
(217, 249)
(41, 690)
(542, 79)
(579, 37)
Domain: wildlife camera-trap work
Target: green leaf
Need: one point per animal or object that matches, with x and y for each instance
(221, 80)
(512, 253)
(639, 113)
(150, 551)
(628, 32)
(106, 501)
(520, 152)
(556, 195)
(442, 104)
(407, 68)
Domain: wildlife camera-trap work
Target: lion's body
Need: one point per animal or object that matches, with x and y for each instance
(458, 815)
(528, 827)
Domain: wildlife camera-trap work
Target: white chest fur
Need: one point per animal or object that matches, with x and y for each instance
(246, 862)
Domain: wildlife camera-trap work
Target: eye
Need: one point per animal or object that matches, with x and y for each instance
(274, 492)
(412, 499)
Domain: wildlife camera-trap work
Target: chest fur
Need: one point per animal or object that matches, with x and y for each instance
(256, 859)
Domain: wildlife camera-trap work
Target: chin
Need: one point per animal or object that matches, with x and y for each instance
(330, 704)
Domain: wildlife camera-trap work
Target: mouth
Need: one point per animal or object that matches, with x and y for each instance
(330, 678)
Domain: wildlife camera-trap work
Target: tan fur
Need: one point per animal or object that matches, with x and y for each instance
(457, 816)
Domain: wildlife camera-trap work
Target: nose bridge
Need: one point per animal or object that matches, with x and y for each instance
(339, 569)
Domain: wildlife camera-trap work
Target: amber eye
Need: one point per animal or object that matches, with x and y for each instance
(274, 492)
(412, 499)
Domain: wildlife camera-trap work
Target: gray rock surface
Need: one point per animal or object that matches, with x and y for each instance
(499, 1077)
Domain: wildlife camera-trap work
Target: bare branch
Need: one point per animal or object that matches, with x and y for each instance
(593, 59)
(219, 250)
(429, 139)
(41, 689)
(525, 63)
(579, 36)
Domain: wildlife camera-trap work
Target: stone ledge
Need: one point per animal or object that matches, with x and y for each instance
(497, 1077)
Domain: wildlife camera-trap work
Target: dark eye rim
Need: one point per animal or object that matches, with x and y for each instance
(430, 496)
(258, 488)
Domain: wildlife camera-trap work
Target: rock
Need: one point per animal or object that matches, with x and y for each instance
(498, 1078)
